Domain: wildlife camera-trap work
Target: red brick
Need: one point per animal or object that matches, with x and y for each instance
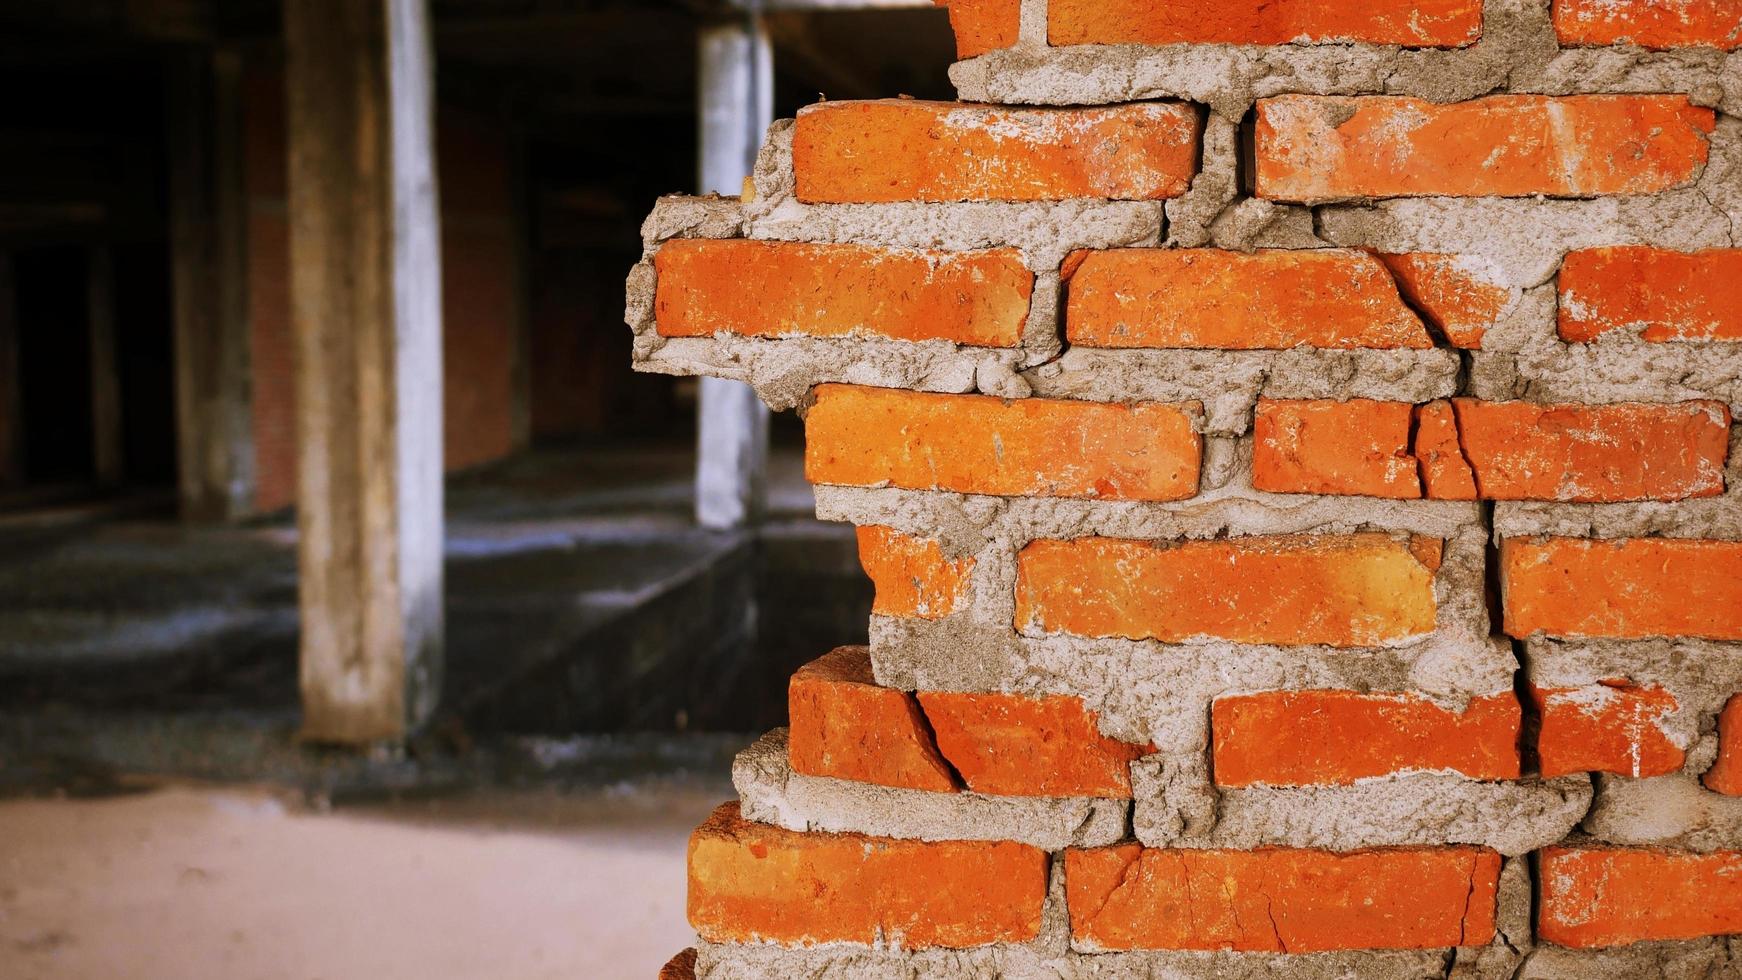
(1414, 23)
(983, 25)
(680, 967)
(867, 437)
(1009, 745)
(1627, 588)
(752, 883)
(787, 289)
(1208, 298)
(1306, 738)
(1725, 776)
(1445, 473)
(1595, 453)
(911, 575)
(1318, 148)
(1457, 293)
(1613, 896)
(907, 150)
(1650, 293)
(1340, 590)
(1352, 447)
(1609, 727)
(1280, 900)
(1656, 24)
(845, 726)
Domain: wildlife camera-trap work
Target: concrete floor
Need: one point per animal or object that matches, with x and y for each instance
(184, 883)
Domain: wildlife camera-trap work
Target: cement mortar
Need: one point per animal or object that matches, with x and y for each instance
(1225, 504)
(1694, 959)
(1665, 811)
(1513, 817)
(1518, 52)
(1229, 383)
(772, 793)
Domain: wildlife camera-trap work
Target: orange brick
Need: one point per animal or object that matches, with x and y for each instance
(1209, 298)
(1725, 776)
(1457, 293)
(752, 882)
(1430, 551)
(1318, 148)
(1445, 473)
(1651, 293)
(865, 437)
(1627, 588)
(907, 150)
(845, 726)
(912, 576)
(784, 289)
(1609, 727)
(1656, 24)
(983, 25)
(1352, 447)
(1279, 900)
(1305, 738)
(1342, 590)
(1595, 453)
(680, 967)
(1415, 23)
(1613, 896)
(1008, 745)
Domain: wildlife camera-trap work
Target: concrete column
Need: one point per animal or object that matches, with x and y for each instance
(366, 309)
(737, 104)
(209, 275)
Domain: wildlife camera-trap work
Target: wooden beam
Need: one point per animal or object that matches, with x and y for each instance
(106, 431)
(736, 91)
(209, 276)
(366, 310)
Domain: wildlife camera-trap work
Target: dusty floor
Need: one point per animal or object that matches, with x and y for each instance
(188, 883)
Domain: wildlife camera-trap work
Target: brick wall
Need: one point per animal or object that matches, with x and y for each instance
(478, 289)
(1294, 447)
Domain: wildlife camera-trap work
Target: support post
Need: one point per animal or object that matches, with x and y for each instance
(209, 276)
(736, 92)
(106, 432)
(366, 310)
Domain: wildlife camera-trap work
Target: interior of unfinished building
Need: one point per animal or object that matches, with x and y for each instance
(732, 489)
(326, 483)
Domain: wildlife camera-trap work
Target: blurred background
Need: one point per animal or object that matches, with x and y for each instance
(604, 652)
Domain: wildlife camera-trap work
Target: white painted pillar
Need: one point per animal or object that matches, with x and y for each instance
(736, 101)
(366, 309)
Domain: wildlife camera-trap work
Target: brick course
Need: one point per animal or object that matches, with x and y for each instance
(905, 150)
(1353, 590)
(1279, 900)
(774, 289)
(1315, 148)
(1611, 896)
(750, 882)
(976, 444)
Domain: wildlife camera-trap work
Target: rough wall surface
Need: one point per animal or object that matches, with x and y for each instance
(1295, 449)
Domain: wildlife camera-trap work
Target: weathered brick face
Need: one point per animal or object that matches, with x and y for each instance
(1294, 448)
(1314, 148)
(901, 150)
